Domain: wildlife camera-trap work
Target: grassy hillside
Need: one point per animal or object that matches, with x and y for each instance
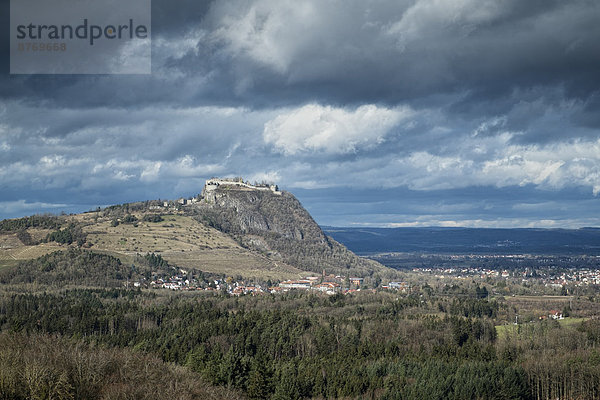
(12, 249)
(181, 240)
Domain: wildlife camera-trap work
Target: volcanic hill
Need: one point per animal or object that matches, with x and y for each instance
(232, 227)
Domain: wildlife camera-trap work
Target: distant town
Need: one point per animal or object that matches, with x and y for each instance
(572, 277)
(547, 279)
(328, 284)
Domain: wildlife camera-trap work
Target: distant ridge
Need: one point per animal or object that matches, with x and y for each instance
(469, 240)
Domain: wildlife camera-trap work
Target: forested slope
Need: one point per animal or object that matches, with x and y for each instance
(79, 267)
(40, 366)
(315, 346)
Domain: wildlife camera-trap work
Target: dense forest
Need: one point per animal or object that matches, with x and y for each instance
(301, 345)
(41, 366)
(71, 327)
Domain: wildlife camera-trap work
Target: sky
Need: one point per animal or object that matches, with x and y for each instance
(478, 113)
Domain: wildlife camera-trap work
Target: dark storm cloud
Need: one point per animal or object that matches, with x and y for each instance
(394, 52)
(174, 19)
(273, 53)
(484, 112)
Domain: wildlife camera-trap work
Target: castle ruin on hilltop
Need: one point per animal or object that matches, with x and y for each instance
(210, 194)
(238, 184)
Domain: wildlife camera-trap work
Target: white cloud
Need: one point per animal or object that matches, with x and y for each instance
(189, 166)
(179, 46)
(269, 32)
(502, 223)
(465, 162)
(53, 161)
(151, 172)
(132, 58)
(555, 165)
(266, 176)
(122, 176)
(164, 146)
(332, 130)
(551, 166)
(489, 125)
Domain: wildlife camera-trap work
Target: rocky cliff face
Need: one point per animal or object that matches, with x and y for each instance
(277, 225)
(256, 212)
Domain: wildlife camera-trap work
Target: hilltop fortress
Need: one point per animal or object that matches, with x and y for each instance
(214, 186)
(237, 183)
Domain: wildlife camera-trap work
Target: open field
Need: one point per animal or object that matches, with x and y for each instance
(539, 305)
(539, 301)
(7, 263)
(569, 322)
(23, 252)
(175, 233)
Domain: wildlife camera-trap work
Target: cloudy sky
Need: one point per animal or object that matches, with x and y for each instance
(481, 113)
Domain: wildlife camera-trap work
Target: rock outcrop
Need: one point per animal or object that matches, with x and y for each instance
(264, 219)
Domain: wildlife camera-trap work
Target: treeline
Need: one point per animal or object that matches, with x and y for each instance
(288, 347)
(152, 218)
(155, 261)
(76, 267)
(561, 363)
(40, 366)
(71, 234)
(73, 266)
(121, 210)
(34, 221)
(80, 267)
(133, 220)
(471, 308)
